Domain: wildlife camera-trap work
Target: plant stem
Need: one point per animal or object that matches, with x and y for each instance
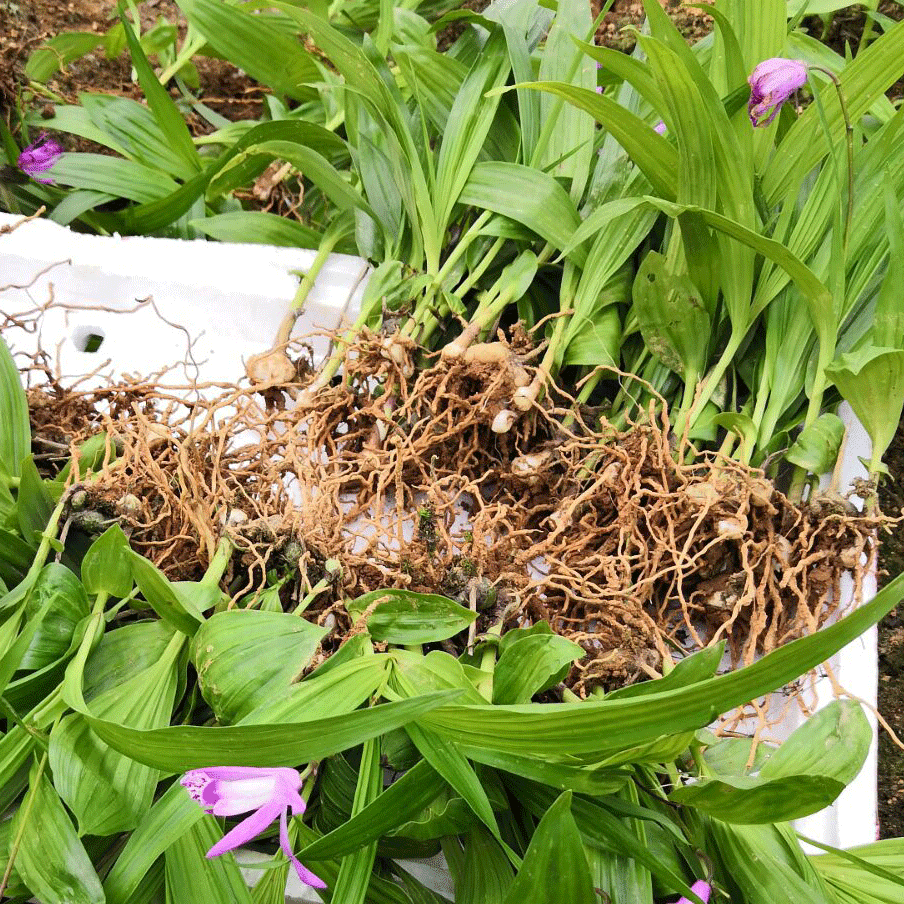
(218, 564)
(849, 139)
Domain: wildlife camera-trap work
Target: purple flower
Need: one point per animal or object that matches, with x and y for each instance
(227, 791)
(771, 84)
(39, 157)
(701, 889)
(660, 128)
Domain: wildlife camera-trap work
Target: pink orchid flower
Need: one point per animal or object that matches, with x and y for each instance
(39, 157)
(701, 889)
(228, 791)
(771, 84)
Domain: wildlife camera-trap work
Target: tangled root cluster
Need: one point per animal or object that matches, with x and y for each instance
(398, 473)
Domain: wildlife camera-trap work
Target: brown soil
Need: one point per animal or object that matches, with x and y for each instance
(27, 24)
(891, 654)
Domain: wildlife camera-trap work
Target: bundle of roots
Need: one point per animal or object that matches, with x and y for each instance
(400, 473)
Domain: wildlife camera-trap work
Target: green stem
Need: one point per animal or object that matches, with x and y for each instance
(849, 139)
(218, 564)
(711, 382)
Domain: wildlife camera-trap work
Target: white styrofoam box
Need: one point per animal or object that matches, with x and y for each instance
(231, 299)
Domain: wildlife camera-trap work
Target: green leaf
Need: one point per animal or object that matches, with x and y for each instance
(672, 317)
(107, 792)
(51, 860)
(170, 817)
(171, 122)
(267, 54)
(259, 227)
(816, 449)
(107, 567)
(487, 875)
(532, 665)
(162, 596)
(555, 868)
(654, 155)
(590, 729)
(58, 52)
(405, 617)
(110, 175)
(244, 657)
(746, 800)
(67, 604)
(183, 747)
(527, 196)
(871, 380)
(833, 742)
(35, 503)
(697, 667)
(802, 777)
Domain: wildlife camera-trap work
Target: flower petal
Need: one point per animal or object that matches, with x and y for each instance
(247, 829)
(304, 873)
(701, 889)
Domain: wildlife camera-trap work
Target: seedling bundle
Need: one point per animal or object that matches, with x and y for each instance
(474, 575)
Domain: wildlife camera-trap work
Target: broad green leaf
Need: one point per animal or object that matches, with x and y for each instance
(111, 175)
(106, 567)
(487, 875)
(244, 657)
(67, 605)
(15, 438)
(182, 747)
(452, 765)
(697, 667)
(268, 55)
(258, 227)
(654, 155)
(190, 876)
(871, 380)
(746, 800)
(171, 606)
(672, 317)
(816, 449)
(51, 859)
(528, 196)
(405, 617)
(58, 52)
(871, 873)
(313, 166)
(34, 504)
(833, 742)
(170, 817)
(594, 728)
(555, 868)
(108, 792)
(532, 665)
